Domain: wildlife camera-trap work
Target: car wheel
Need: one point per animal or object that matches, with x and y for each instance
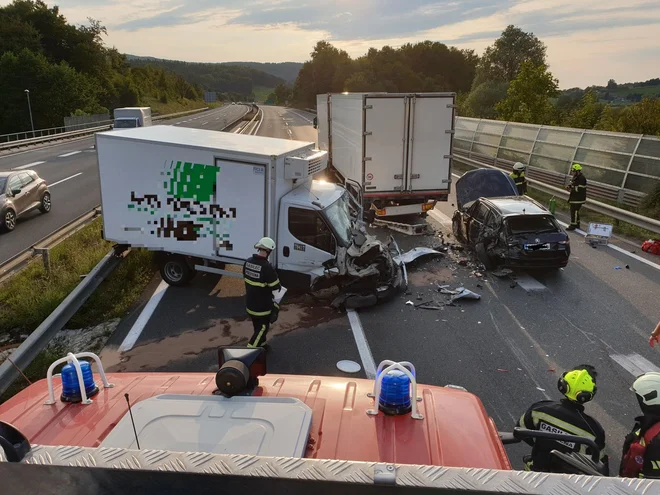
(45, 203)
(175, 271)
(9, 221)
(483, 256)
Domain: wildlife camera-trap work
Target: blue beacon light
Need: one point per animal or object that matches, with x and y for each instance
(70, 384)
(394, 397)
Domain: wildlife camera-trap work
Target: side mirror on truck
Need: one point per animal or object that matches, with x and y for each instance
(316, 123)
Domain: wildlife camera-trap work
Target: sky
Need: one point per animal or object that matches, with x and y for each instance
(589, 41)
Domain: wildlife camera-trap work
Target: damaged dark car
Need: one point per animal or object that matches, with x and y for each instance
(505, 229)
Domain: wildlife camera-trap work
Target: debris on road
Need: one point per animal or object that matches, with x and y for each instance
(504, 272)
(627, 267)
(348, 366)
(410, 303)
(502, 370)
(457, 247)
(513, 285)
(429, 306)
(617, 268)
(463, 262)
(551, 370)
(541, 389)
(478, 274)
(465, 294)
(415, 253)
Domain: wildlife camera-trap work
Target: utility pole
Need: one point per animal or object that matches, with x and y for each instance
(27, 93)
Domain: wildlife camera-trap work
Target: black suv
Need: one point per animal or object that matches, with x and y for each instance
(504, 228)
(21, 192)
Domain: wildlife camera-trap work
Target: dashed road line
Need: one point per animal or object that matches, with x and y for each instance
(33, 164)
(71, 153)
(204, 123)
(634, 364)
(363, 346)
(148, 310)
(64, 180)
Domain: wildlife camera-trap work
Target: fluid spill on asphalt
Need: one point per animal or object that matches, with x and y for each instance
(217, 332)
(430, 274)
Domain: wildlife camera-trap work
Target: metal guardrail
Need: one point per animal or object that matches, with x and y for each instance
(57, 133)
(39, 339)
(643, 222)
(19, 261)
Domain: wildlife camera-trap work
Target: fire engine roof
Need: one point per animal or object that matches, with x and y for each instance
(455, 431)
(206, 139)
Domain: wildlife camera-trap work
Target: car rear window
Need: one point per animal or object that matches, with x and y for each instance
(531, 223)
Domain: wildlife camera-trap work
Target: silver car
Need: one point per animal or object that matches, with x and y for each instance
(21, 192)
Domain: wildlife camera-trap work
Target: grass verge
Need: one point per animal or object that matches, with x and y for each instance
(174, 106)
(31, 295)
(620, 228)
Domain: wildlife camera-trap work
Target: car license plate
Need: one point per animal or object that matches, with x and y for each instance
(537, 247)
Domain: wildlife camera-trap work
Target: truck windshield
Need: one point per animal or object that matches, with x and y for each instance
(339, 216)
(125, 123)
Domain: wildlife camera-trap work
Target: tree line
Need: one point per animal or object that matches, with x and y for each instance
(68, 70)
(511, 80)
(228, 80)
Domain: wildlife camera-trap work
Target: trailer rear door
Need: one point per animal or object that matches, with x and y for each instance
(429, 157)
(385, 144)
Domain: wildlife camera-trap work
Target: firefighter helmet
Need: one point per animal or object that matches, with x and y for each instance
(519, 166)
(578, 384)
(576, 167)
(647, 388)
(265, 243)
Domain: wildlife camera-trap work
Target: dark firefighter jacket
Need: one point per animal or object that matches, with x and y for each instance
(578, 189)
(563, 417)
(521, 182)
(651, 466)
(260, 282)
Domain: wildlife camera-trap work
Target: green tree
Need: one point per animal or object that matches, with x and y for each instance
(611, 84)
(588, 113)
(641, 118)
(503, 60)
(528, 96)
(482, 100)
(608, 120)
(283, 94)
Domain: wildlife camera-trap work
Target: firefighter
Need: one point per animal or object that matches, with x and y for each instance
(564, 417)
(641, 448)
(518, 176)
(577, 196)
(260, 282)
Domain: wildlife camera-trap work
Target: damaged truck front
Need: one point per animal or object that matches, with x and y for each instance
(201, 199)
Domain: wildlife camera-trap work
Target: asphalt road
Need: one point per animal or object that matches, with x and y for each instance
(70, 169)
(509, 347)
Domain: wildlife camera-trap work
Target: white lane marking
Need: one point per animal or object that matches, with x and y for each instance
(290, 133)
(261, 121)
(617, 248)
(148, 310)
(64, 180)
(363, 346)
(301, 116)
(69, 154)
(528, 283)
(442, 218)
(33, 164)
(634, 364)
(204, 123)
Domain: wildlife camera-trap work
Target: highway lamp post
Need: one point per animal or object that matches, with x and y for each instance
(27, 93)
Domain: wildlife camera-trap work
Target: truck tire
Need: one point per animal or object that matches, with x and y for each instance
(175, 271)
(483, 256)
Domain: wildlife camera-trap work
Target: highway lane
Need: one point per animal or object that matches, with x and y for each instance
(508, 348)
(76, 161)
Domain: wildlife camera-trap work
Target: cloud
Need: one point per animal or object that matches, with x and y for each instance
(588, 41)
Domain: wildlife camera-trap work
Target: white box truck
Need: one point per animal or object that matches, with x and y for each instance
(131, 117)
(202, 199)
(396, 147)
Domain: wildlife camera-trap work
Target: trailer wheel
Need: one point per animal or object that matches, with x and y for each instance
(175, 271)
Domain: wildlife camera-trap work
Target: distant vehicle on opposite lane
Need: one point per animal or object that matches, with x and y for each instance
(21, 192)
(504, 228)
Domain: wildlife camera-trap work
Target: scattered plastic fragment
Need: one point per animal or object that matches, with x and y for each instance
(478, 323)
(519, 369)
(513, 285)
(541, 389)
(478, 274)
(617, 268)
(480, 286)
(463, 262)
(627, 267)
(502, 370)
(551, 370)
(410, 303)
(465, 294)
(348, 366)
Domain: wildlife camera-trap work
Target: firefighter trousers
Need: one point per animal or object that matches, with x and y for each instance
(261, 326)
(575, 214)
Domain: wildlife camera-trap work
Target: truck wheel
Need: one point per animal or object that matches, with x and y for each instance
(483, 256)
(175, 271)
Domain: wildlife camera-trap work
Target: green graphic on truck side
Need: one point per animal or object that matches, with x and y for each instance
(190, 211)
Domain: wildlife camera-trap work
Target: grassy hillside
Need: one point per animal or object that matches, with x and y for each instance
(288, 71)
(261, 93)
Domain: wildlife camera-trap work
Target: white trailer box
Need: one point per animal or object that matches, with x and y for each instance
(210, 196)
(130, 117)
(396, 146)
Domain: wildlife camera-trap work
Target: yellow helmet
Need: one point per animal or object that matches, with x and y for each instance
(579, 384)
(576, 167)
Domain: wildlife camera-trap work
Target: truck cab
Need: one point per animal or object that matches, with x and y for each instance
(132, 117)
